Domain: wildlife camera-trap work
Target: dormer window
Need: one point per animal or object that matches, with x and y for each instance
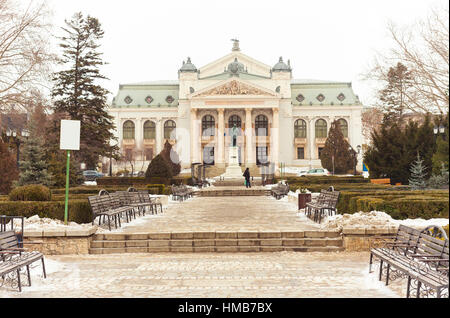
(300, 98)
(341, 97)
(149, 99)
(128, 100)
(320, 98)
(169, 99)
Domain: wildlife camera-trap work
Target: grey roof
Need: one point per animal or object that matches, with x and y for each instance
(306, 92)
(154, 83)
(281, 66)
(188, 66)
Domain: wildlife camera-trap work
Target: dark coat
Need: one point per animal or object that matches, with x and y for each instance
(247, 174)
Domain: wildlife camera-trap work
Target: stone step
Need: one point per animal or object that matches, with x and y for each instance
(216, 235)
(307, 242)
(233, 193)
(216, 249)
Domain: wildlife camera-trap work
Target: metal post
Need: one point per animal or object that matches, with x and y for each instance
(66, 207)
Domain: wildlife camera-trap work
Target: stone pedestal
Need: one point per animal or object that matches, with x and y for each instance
(233, 170)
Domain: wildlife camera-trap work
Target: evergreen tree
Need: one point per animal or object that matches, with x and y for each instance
(417, 179)
(441, 156)
(393, 96)
(77, 94)
(441, 180)
(158, 168)
(8, 168)
(337, 155)
(172, 158)
(393, 149)
(33, 167)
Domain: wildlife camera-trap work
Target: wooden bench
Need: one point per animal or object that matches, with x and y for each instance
(14, 258)
(181, 192)
(327, 201)
(380, 181)
(145, 199)
(108, 207)
(280, 190)
(417, 256)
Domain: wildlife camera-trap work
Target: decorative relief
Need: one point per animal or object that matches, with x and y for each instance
(235, 88)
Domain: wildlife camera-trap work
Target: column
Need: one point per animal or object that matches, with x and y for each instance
(159, 136)
(248, 135)
(220, 137)
(311, 142)
(139, 134)
(275, 133)
(194, 137)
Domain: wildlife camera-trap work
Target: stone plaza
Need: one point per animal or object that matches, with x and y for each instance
(280, 273)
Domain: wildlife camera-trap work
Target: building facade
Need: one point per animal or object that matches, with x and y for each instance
(279, 119)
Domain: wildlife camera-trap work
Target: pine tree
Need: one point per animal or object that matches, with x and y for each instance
(33, 167)
(77, 94)
(337, 152)
(172, 158)
(417, 179)
(393, 96)
(8, 168)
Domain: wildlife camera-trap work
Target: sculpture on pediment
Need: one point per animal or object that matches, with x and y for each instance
(235, 88)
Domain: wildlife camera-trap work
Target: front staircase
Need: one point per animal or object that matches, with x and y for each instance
(225, 242)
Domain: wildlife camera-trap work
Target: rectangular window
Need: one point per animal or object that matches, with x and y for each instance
(129, 154)
(149, 154)
(300, 153)
(261, 155)
(320, 151)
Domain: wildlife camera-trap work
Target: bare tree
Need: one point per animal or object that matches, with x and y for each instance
(24, 50)
(424, 49)
(371, 121)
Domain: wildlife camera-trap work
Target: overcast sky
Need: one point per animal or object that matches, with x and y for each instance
(324, 39)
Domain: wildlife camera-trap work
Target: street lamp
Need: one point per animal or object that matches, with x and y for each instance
(354, 153)
(440, 129)
(15, 135)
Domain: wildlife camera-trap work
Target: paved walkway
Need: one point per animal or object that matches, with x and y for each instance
(274, 275)
(209, 214)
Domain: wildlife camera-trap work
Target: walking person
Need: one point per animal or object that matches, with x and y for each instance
(247, 178)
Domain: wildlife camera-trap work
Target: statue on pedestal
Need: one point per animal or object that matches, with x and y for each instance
(234, 134)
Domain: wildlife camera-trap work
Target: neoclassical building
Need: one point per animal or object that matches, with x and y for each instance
(279, 119)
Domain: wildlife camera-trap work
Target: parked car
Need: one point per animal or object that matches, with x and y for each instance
(315, 172)
(91, 175)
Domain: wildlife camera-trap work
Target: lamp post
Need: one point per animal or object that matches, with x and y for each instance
(354, 153)
(439, 130)
(14, 136)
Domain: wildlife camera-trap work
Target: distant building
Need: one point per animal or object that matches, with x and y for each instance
(280, 119)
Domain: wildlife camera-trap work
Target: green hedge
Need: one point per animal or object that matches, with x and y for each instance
(93, 190)
(398, 204)
(330, 180)
(339, 187)
(121, 181)
(79, 210)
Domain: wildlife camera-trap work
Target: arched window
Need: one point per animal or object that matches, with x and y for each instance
(300, 128)
(344, 127)
(169, 129)
(128, 130)
(321, 129)
(235, 120)
(208, 125)
(261, 125)
(149, 130)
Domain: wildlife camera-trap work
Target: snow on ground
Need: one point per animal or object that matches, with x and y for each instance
(376, 219)
(34, 223)
(90, 183)
(39, 283)
(295, 170)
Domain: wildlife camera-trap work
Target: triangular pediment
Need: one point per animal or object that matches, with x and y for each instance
(252, 65)
(235, 87)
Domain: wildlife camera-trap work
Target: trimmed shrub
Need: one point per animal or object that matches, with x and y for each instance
(79, 210)
(158, 168)
(331, 180)
(121, 181)
(32, 192)
(94, 190)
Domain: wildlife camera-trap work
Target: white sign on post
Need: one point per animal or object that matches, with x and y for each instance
(70, 135)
